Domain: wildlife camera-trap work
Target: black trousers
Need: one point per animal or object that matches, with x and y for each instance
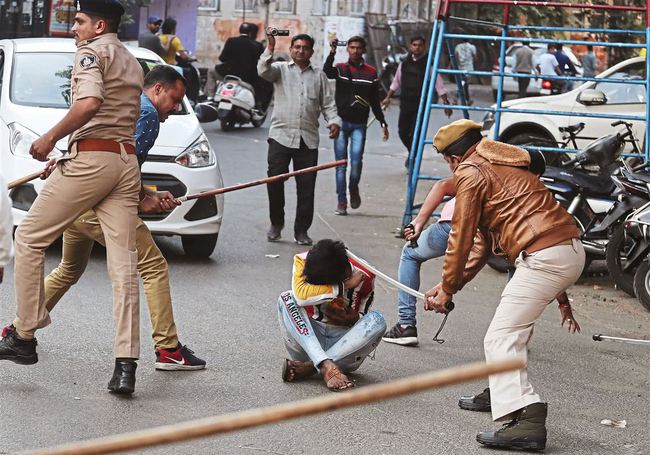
(523, 82)
(279, 158)
(406, 126)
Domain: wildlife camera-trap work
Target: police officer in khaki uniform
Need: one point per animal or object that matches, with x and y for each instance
(99, 172)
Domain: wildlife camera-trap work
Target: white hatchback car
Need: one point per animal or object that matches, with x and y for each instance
(590, 97)
(35, 95)
(510, 84)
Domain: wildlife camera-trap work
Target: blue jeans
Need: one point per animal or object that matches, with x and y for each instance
(355, 133)
(432, 243)
(307, 339)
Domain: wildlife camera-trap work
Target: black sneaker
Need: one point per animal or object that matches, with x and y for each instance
(274, 233)
(182, 358)
(403, 336)
(355, 198)
(480, 402)
(301, 238)
(123, 380)
(18, 351)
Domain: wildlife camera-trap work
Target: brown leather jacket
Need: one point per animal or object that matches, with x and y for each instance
(510, 207)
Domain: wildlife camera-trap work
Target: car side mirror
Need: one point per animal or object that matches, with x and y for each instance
(592, 97)
(205, 113)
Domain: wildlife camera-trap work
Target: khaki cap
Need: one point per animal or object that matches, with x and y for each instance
(449, 134)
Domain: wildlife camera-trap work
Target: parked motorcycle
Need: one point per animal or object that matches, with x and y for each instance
(233, 104)
(637, 227)
(592, 190)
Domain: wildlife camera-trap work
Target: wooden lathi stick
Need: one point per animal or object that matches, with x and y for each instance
(263, 416)
(275, 178)
(23, 180)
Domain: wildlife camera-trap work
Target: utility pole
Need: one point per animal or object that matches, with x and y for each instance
(267, 3)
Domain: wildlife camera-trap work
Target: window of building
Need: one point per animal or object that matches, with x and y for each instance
(210, 5)
(286, 6)
(247, 5)
(321, 7)
(358, 7)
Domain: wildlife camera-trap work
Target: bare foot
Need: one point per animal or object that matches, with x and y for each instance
(294, 370)
(334, 378)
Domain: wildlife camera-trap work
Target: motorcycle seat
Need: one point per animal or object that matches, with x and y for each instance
(642, 176)
(571, 128)
(591, 185)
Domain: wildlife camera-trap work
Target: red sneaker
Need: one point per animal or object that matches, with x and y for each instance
(181, 358)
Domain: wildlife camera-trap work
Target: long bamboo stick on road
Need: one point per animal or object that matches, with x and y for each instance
(263, 416)
(275, 178)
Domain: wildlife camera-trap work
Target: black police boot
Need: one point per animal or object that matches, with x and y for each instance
(17, 350)
(480, 402)
(123, 380)
(526, 431)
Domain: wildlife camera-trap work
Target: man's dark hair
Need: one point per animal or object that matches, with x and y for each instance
(112, 22)
(249, 29)
(303, 37)
(169, 26)
(589, 48)
(418, 38)
(551, 46)
(163, 74)
(558, 46)
(327, 263)
(358, 39)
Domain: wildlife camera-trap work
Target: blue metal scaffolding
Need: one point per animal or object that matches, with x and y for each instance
(440, 38)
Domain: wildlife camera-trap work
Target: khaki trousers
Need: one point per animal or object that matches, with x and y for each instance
(109, 183)
(78, 242)
(539, 277)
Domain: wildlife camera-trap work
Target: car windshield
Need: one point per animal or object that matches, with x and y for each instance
(43, 79)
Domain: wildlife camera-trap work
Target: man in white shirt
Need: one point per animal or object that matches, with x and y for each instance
(6, 228)
(548, 65)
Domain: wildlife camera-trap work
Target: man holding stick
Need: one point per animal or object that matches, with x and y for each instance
(497, 195)
(301, 94)
(100, 172)
(164, 89)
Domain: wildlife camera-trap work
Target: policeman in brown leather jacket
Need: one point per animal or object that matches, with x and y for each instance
(496, 194)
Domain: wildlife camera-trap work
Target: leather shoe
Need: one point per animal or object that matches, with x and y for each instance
(480, 402)
(301, 238)
(16, 350)
(274, 233)
(355, 198)
(123, 380)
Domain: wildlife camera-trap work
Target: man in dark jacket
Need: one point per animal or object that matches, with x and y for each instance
(149, 38)
(239, 58)
(496, 194)
(408, 80)
(357, 91)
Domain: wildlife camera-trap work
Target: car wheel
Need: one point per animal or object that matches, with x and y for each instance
(227, 125)
(618, 247)
(642, 284)
(552, 158)
(199, 246)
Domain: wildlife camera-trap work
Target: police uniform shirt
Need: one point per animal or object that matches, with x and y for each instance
(106, 70)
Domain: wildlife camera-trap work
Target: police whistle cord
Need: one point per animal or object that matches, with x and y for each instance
(402, 287)
(275, 178)
(251, 418)
(621, 340)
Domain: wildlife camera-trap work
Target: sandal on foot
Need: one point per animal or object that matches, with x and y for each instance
(334, 372)
(290, 367)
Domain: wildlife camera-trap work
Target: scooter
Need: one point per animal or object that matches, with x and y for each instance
(637, 227)
(233, 104)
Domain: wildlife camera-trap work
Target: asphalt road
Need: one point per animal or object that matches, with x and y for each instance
(225, 311)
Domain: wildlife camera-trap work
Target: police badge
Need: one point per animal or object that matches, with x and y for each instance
(87, 61)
